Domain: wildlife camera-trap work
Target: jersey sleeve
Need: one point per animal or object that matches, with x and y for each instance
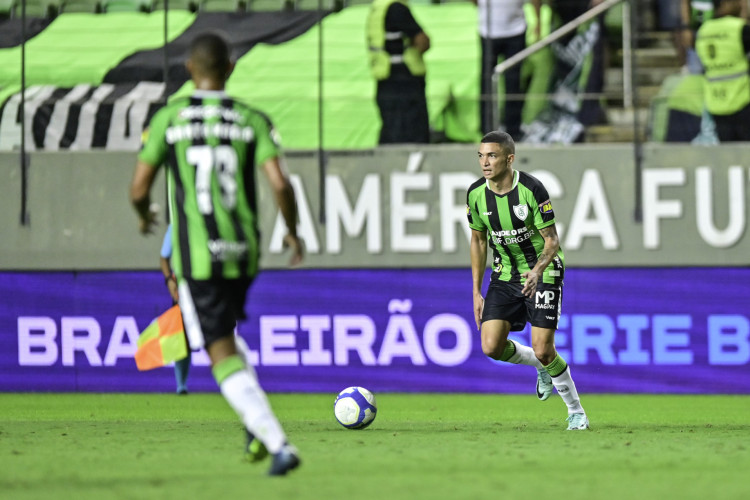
(268, 141)
(475, 221)
(154, 149)
(541, 207)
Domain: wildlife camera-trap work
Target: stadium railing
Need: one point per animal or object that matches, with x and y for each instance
(564, 30)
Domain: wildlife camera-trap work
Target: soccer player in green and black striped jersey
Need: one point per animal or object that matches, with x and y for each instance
(511, 210)
(211, 145)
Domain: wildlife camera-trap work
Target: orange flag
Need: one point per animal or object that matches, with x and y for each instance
(162, 342)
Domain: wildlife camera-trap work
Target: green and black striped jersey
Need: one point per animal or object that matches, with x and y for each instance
(211, 144)
(512, 222)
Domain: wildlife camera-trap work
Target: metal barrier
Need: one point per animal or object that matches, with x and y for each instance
(559, 33)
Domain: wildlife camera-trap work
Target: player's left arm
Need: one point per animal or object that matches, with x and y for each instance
(551, 246)
(286, 200)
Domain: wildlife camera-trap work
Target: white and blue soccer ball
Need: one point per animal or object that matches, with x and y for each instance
(355, 408)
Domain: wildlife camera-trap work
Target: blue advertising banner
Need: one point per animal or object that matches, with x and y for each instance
(676, 330)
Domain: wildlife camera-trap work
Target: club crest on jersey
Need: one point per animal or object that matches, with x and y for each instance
(521, 211)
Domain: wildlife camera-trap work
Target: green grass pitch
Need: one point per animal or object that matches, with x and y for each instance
(421, 446)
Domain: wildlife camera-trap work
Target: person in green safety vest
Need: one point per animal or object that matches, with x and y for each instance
(396, 43)
(692, 14)
(723, 44)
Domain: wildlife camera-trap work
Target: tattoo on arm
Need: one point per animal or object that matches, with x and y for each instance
(548, 232)
(551, 245)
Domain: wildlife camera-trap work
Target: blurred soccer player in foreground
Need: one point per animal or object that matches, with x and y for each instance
(527, 270)
(211, 144)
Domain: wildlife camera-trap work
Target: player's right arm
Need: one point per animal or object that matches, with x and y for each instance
(140, 196)
(284, 194)
(478, 265)
(152, 155)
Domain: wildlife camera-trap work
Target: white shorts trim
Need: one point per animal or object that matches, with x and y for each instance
(190, 317)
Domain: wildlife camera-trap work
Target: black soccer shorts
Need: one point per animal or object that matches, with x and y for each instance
(211, 308)
(505, 301)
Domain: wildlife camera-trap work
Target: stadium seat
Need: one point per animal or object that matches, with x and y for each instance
(35, 8)
(265, 5)
(125, 6)
(314, 5)
(221, 6)
(175, 5)
(81, 6)
(6, 8)
(349, 3)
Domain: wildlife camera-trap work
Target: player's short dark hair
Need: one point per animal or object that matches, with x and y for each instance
(506, 142)
(210, 53)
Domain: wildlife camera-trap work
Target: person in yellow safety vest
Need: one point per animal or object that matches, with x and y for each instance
(538, 69)
(693, 13)
(722, 44)
(396, 43)
(502, 32)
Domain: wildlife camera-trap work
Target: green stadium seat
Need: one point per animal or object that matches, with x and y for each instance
(349, 3)
(6, 8)
(81, 6)
(221, 6)
(124, 6)
(265, 5)
(314, 4)
(35, 8)
(175, 5)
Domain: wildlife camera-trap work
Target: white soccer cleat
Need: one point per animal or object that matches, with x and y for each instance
(543, 385)
(577, 422)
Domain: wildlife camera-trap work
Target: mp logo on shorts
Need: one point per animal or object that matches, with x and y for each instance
(521, 211)
(545, 299)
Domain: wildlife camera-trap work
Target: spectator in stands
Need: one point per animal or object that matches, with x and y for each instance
(591, 80)
(567, 10)
(502, 32)
(396, 43)
(723, 44)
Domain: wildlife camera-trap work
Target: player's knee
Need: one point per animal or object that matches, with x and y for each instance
(545, 353)
(491, 349)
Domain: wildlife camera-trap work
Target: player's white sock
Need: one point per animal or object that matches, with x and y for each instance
(520, 354)
(240, 388)
(244, 351)
(559, 370)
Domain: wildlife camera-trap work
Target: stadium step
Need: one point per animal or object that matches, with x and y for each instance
(655, 60)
